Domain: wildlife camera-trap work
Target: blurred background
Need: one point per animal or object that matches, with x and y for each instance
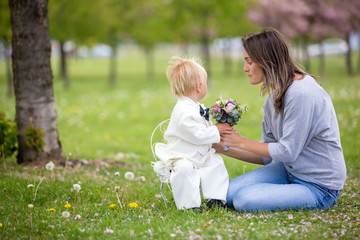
(206, 28)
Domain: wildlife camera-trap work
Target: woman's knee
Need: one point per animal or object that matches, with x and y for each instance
(243, 202)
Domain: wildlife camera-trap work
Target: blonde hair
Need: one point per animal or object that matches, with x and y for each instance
(184, 74)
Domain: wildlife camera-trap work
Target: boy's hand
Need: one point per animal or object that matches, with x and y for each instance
(224, 128)
(219, 148)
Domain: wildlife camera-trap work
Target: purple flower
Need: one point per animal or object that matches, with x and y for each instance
(226, 148)
(224, 114)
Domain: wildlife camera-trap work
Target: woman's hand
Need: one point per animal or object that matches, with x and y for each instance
(231, 139)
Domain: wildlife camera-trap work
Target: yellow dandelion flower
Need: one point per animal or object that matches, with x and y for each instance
(67, 205)
(133, 205)
(112, 205)
(52, 210)
(0, 225)
(351, 181)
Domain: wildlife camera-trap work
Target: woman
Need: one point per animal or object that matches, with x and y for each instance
(300, 143)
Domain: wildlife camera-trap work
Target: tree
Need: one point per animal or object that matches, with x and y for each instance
(232, 21)
(149, 28)
(73, 20)
(116, 20)
(5, 36)
(290, 17)
(35, 108)
(345, 19)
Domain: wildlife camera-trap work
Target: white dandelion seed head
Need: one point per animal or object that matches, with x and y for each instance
(30, 206)
(77, 187)
(50, 166)
(77, 217)
(142, 179)
(117, 174)
(117, 188)
(65, 214)
(129, 176)
(30, 186)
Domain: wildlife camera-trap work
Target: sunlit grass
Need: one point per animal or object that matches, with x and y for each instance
(96, 121)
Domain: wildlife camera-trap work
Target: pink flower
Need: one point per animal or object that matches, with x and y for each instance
(108, 231)
(216, 107)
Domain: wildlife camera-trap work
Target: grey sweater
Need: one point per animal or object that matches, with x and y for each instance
(305, 135)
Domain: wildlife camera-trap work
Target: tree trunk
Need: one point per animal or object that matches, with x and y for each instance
(63, 68)
(227, 56)
(33, 79)
(10, 90)
(306, 53)
(206, 53)
(348, 61)
(150, 67)
(321, 60)
(358, 62)
(112, 73)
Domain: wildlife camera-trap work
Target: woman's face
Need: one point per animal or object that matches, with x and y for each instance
(254, 71)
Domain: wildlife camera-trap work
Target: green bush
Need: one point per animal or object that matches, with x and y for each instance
(34, 137)
(8, 136)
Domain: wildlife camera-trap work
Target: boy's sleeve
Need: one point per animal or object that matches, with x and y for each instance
(197, 133)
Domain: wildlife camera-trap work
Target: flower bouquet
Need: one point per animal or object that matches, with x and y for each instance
(227, 111)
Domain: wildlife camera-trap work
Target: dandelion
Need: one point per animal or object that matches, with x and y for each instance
(0, 225)
(129, 176)
(65, 214)
(117, 174)
(77, 217)
(108, 231)
(112, 205)
(142, 179)
(77, 187)
(30, 206)
(30, 186)
(133, 205)
(50, 166)
(52, 210)
(67, 205)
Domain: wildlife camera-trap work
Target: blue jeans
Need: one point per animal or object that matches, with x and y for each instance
(272, 188)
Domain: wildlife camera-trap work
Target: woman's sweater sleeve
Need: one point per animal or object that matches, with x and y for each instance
(296, 126)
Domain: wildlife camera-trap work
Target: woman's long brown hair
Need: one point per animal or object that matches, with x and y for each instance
(269, 49)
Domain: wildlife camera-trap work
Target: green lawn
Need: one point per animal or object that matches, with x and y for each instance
(96, 122)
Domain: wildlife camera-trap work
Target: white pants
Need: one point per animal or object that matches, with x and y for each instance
(185, 181)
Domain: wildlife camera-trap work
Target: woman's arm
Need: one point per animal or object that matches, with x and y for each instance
(239, 154)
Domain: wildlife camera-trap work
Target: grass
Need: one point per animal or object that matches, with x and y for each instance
(96, 121)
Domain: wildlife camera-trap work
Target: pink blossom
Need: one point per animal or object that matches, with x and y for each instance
(108, 231)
